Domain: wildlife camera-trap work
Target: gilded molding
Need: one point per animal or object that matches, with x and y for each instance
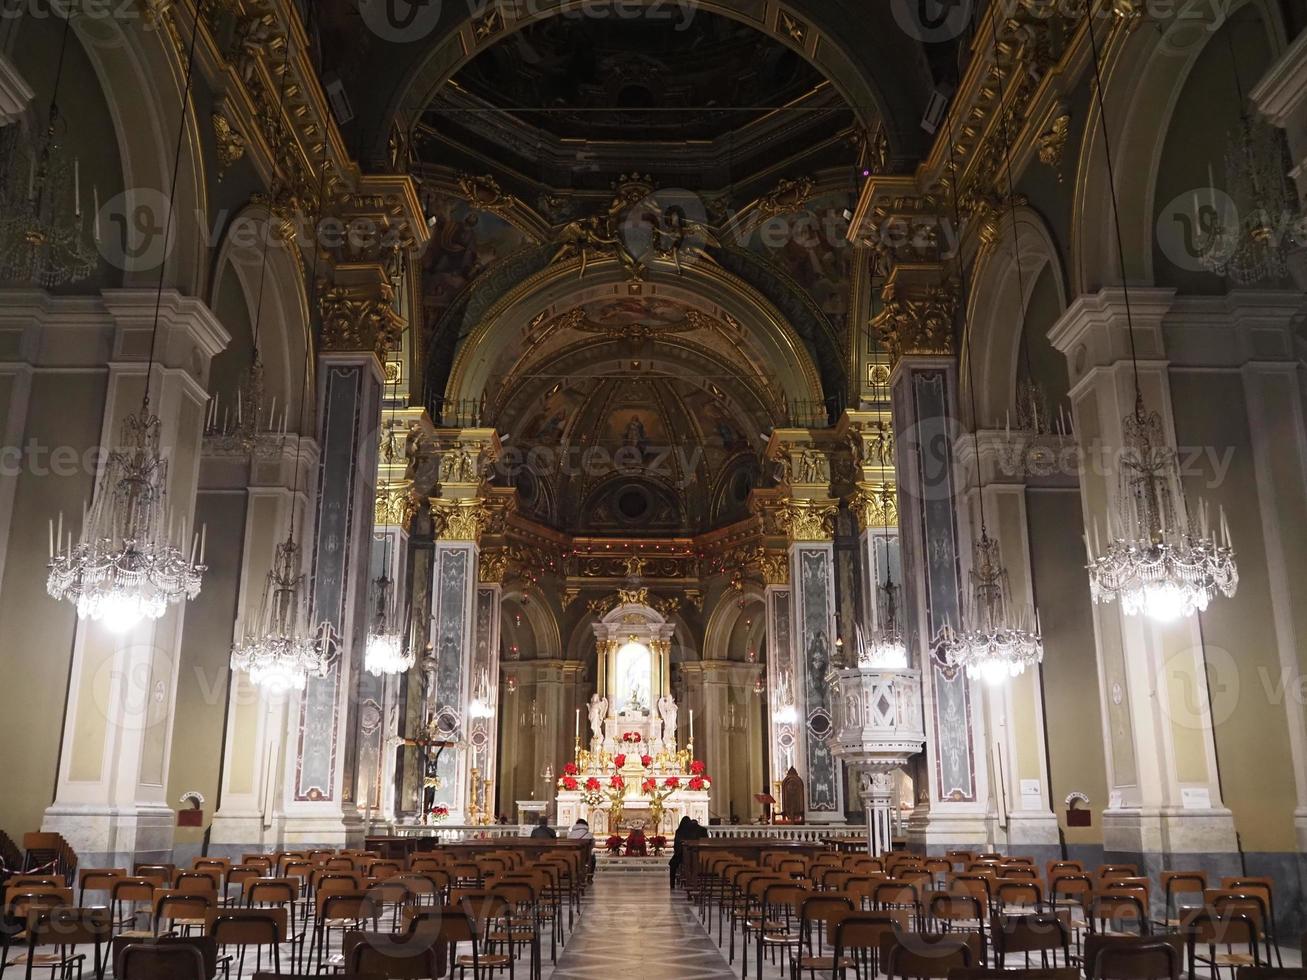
(492, 566)
(395, 505)
(460, 520)
(228, 141)
(353, 320)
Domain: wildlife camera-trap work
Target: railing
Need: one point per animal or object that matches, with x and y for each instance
(806, 832)
(454, 832)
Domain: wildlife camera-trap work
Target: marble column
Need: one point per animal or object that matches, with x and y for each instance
(1165, 794)
(785, 745)
(953, 809)
(110, 793)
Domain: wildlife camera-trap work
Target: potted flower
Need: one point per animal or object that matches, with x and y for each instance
(631, 738)
(614, 845)
(570, 769)
(696, 783)
(671, 782)
(646, 761)
(657, 843)
(617, 782)
(438, 813)
(697, 768)
(592, 783)
(650, 785)
(569, 783)
(619, 760)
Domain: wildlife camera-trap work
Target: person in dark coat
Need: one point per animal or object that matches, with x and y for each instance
(687, 829)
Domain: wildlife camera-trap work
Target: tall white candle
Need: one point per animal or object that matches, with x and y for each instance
(578, 723)
(691, 724)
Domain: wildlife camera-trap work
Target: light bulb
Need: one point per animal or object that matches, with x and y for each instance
(1165, 603)
(119, 613)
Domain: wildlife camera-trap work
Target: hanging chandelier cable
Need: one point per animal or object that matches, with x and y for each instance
(1157, 559)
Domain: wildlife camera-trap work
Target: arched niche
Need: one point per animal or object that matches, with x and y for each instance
(245, 294)
(1019, 292)
(528, 630)
(737, 627)
(1145, 72)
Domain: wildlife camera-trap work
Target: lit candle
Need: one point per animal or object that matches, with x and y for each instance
(52, 537)
(691, 724)
(578, 724)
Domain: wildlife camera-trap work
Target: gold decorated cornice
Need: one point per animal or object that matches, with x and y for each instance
(875, 506)
(492, 566)
(807, 520)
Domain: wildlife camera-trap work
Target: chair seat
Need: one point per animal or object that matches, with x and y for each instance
(824, 962)
(516, 936)
(136, 934)
(1234, 959)
(492, 960)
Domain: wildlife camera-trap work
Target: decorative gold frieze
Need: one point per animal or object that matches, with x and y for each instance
(787, 197)
(807, 520)
(229, 143)
(492, 566)
(1052, 143)
(874, 506)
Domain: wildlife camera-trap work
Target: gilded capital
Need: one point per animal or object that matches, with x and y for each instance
(919, 321)
(807, 520)
(395, 505)
(460, 520)
(875, 506)
(492, 566)
(360, 318)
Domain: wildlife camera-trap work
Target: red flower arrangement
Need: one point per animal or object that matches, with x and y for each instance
(619, 760)
(657, 843)
(614, 844)
(617, 782)
(697, 768)
(632, 737)
(646, 761)
(592, 782)
(650, 785)
(569, 783)
(570, 769)
(671, 782)
(695, 783)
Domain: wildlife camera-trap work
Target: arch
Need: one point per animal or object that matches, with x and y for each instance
(1145, 72)
(556, 288)
(726, 615)
(141, 74)
(539, 619)
(817, 34)
(999, 307)
(284, 322)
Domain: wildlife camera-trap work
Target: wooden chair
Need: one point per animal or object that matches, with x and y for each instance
(1117, 913)
(862, 935)
(65, 928)
(383, 954)
(1176, 887)
(1045, 933)
(243, 928)
(1134, 957)
(134, 893)
(484, 914)
(1229, 928)
(343, 911)
(96, 880)
(819, 917)
(174, 910)
(926, 955)
(961, 913)
(778, 926)
(1263, 887)
(163, 961)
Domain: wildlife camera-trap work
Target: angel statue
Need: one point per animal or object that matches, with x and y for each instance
(598, 711)
(667, 711)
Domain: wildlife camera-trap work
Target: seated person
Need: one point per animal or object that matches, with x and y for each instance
(542, 829)
(635, 844)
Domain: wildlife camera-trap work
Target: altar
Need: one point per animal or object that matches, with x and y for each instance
(633, 772)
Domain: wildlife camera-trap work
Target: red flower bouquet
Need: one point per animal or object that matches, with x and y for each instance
(569, 783)
(614, 844)
(570, 769)
(619, 760)
(632, 737)
(695, 783)
(671, 782)
(646, 761)
(697, 768)
(657, 843)
(650, 785)
(592, 782)
(617, 782)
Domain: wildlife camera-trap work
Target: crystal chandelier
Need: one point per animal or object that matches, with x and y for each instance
(128, 564)
(1155, 561)
(994, 641)
(254, 428)
(480, 706)
(282, 651)
(386, 651)
(884, 649)
(45, 239)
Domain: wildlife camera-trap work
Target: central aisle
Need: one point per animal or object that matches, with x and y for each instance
(637, 930)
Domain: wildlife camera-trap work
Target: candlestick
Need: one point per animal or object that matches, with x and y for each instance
(692, 726)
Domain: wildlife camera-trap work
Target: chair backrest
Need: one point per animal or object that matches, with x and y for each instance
(869, 930)
(246, 927)
(271, 891)
(170, 904)
(70, 926)
(1224, 927)
(353, 906)
(926, 955)
(1030, 932)
(134, 889)
(1134, 957)
(1120, 909)
(826, 908)
(21, 901)
(102, 877)
(163, 961)
(1026, 893)
(379, 954)
(35, 881)
(1249, 902)
(208, 880)
(220, 864)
